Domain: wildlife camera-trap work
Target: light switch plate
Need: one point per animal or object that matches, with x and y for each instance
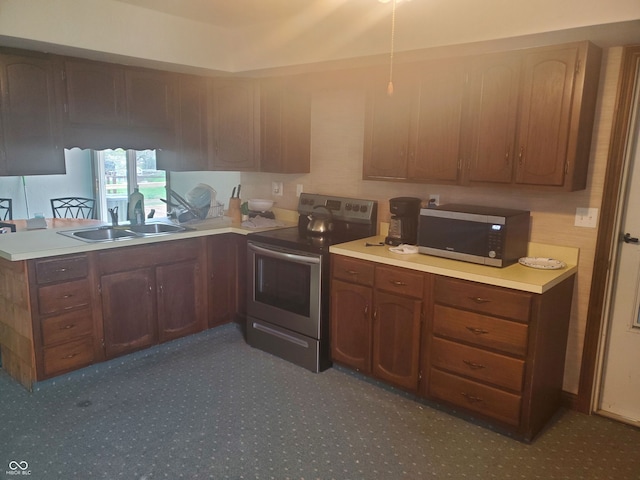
(586, 217)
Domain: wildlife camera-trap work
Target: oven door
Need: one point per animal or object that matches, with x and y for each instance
(284, 287)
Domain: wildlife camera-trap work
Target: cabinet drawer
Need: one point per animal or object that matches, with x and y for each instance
(400, 281)
(495, 403)
(144, 256)
(496, 301)
(68, 356)
(60, 269)
(352, 270)
(63, 296)
(482, 330)
(489, 367)
(67, 326)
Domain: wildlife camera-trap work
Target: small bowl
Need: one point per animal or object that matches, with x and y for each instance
(260, 205)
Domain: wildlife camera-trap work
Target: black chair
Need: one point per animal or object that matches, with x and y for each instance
(6, 209)
(73, 207)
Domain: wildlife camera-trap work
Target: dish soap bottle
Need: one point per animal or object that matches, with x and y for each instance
(136, 207)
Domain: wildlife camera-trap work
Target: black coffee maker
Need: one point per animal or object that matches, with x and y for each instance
(403, 227)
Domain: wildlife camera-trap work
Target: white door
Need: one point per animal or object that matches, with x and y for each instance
(620, 381)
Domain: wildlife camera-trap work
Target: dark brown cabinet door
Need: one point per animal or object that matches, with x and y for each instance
(180, 300)
(234, 136)
(285, 127)
(351, 307)
(396, 339)
(492, 111)
(387, 129)
(222, 279)
(191, 142)
(545, 116)
(95, 93)
(149, 98)
(129, 311)
(30, 140)
(435, 154)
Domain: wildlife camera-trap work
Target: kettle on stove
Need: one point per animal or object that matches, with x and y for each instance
(320, 223)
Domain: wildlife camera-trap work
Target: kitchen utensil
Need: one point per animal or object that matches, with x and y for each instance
(320, 223)
(233, 192)
(260, 205)
(194, 211)
(239, 186)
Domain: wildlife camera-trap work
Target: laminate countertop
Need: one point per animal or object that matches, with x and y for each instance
(47, 242)
(516, 276)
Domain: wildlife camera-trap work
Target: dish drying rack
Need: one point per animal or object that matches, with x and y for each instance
(216, 210)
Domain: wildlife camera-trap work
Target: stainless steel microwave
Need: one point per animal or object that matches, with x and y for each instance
(473, 233)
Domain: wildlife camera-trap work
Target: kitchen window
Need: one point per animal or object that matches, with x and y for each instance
(118, 172)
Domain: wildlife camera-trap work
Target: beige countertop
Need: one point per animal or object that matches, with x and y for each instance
(26, 245)
(514, 276)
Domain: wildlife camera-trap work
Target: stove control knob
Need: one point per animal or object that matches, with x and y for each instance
(347, 207)
(363, 208)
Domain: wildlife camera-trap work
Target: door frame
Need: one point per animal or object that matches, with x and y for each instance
(607, 233)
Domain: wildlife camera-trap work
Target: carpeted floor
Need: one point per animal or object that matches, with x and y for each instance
(211, 407)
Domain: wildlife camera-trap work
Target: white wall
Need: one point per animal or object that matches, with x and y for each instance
(38, 189)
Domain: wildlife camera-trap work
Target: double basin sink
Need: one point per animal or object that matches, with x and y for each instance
(109, 233)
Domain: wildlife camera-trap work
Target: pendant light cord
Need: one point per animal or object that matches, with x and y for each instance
(393, 37)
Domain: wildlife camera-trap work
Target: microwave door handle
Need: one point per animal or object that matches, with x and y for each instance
(285, 256)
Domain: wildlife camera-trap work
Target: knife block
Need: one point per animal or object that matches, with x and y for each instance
(234, 210)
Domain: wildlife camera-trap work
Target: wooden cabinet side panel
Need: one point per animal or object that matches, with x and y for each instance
(221, 284)
(16, 334)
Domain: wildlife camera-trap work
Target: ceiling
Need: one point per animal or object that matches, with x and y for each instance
(246, 13)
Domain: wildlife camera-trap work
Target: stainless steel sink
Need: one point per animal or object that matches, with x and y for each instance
(156, 228)
(106, 233)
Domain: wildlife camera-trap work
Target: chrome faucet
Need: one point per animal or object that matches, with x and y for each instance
(114, 216)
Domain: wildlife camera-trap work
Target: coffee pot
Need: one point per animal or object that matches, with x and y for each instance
(403, 226)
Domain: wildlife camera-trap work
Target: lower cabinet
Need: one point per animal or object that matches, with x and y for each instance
(150, 294)
(376, 314)
(495, 353)
(62, 314)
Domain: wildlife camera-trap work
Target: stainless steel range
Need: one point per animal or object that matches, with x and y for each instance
(288, 277)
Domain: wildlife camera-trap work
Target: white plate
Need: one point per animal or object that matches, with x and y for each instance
(542, 262)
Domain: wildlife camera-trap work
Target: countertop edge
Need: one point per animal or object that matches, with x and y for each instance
(517, 277)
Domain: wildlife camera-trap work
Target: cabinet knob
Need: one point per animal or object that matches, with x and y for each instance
(479, 299)
(397, 283)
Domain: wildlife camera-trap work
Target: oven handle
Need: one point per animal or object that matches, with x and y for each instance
(284, 255)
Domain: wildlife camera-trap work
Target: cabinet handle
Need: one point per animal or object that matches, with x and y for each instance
(397, 283)
(352, 272)
(61, 270)
(68, 295)
(477, 331)
(68, 327)
(506, 157)
(472, 398)
(161, 289)
(473, 365)
(70, 356)
(521, 155)
(366, 310)
(479, 299)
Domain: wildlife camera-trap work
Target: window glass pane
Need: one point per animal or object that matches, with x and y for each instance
(116, 185)
(151, 182)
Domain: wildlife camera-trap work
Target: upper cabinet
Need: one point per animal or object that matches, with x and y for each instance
(30, 140)
(109, 105)
(414, 134)
(190, 150)
(234, 134)
(285, 126)
(520, 118)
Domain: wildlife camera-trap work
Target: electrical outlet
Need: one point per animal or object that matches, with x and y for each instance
(276, 188)
(586, 217)
(434, 200)
(298, 189)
